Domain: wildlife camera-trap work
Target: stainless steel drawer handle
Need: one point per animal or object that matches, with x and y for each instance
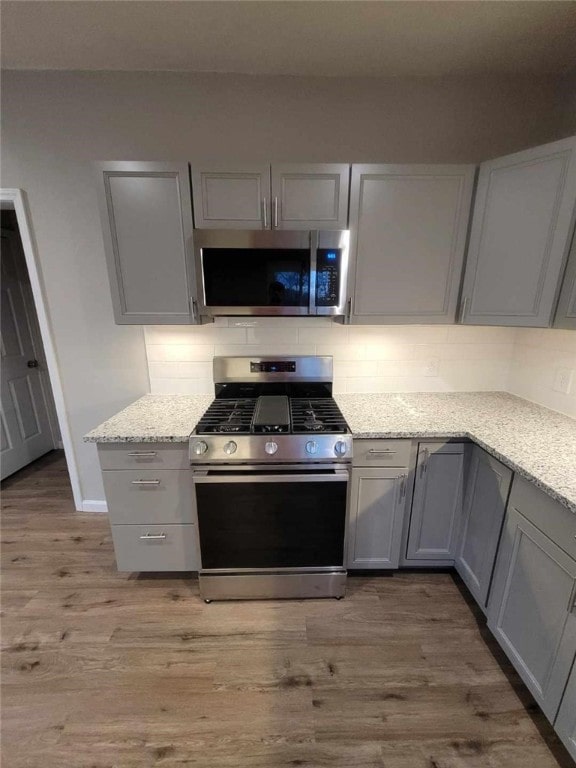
(145, 482)
(142, 453)
(153, 536)
(374, 451)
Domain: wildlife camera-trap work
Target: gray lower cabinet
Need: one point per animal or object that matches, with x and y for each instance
(487, 487)
(151, 505)
(565, 725)
(520, 236)
(531, 608)
(283, 196)
(146, 217)
(437, 502)
(377, 504)
(408, 226)
(566, 310)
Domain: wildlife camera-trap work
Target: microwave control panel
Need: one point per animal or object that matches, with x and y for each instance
(327, 277)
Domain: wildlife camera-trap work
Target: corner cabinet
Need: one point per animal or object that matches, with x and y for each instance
(146, 216)
(487, 488)
(531, 610)
(283, 196)
(436, 503)
(409, 226)
(520, 235)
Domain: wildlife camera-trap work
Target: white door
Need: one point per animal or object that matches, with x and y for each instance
(24, 425)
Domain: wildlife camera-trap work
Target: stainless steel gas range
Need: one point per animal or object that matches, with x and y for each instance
(270, 460)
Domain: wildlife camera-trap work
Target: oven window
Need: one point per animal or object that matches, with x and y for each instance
(271, 525)
(258, 277)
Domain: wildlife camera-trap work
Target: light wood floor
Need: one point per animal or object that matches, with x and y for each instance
(108, 670)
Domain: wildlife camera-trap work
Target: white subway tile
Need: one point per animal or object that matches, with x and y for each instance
(342, 352)
(180, 352)
(355, 368)
(481, 334)
(273, 335)
(181, 387)
(328, 334)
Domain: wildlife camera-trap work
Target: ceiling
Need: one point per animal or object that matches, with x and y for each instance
(329, 38)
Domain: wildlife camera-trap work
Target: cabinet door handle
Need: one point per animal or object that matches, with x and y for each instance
(403, 486)
(385, 451)
(142, 453)
(463, 310)
(424, 464)
(153, 536)
(572, 601)
(265, 212)
(145, 482)
(275, 213)
(348, 313)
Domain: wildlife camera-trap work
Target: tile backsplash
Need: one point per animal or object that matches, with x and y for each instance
(439, 358)
(544, 368)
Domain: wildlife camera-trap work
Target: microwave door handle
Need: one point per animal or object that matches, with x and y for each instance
(313, 265)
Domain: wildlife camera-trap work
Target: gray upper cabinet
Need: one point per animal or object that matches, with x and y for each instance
(146, 215)
(531, 609)
(409, 226)
(377, 502)
(228, 197)
(437, 502)
(299, 196)
(565, 724)
(520, 235)
(566, 311)
(487, 488)
(310, 196)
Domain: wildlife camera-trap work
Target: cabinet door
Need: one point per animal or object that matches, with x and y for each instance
(409, 225)
(310, 196)
(519, 239)
(231, 198)
(566, 310)
(437, 502)
(487, 487)
(377, 501)
(565, 724)
(146, 215)
(531, 609)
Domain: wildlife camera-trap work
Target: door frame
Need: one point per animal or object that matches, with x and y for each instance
(16, 199)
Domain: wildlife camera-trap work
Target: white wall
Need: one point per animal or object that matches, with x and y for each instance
(437, 358)
(54, 124)
(540, 356)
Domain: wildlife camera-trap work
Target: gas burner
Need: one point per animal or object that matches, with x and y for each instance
(313, 426)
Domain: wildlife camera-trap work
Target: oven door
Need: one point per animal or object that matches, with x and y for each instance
(271, 520)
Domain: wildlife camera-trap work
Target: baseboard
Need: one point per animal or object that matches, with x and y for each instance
(94, 505)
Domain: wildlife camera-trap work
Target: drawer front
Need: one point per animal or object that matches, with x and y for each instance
(145, 455)
(150, 496)
(551, 517)
(382, 453)
(156, 547)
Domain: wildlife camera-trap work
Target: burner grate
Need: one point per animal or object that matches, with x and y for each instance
(227, 416)
(316, 415)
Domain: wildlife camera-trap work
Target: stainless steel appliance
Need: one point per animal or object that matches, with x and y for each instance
(266, 272)
(270, 460)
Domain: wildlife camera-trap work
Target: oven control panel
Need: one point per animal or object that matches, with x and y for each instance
(273, 366)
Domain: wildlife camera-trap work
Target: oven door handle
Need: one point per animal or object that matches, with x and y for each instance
(340, 476)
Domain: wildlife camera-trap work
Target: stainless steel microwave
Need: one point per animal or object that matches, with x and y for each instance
(266, 272)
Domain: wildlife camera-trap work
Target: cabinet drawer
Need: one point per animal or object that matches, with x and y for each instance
(382, 453)
(149, 496)
(551, 517)
(146, 455)
(155, 547)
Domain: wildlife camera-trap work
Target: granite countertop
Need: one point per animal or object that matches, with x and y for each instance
(536, 442)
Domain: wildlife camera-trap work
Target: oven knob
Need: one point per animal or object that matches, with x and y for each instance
(230, 448)
(271, 448)
(311, 446)
(340, 448)
(199, 448)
